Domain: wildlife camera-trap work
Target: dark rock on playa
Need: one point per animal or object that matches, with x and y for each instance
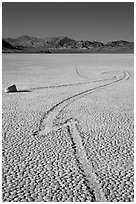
(10, 89)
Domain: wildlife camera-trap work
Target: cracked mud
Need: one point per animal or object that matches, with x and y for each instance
(70, 141)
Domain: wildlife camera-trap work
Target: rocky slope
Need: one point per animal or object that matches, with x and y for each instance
(63, 44)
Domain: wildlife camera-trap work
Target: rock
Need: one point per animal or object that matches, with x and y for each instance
(11, 89)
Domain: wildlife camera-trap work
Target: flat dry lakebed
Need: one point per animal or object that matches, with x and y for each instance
(68, 131)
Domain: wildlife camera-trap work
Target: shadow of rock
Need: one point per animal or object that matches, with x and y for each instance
(24, 91)
(19, 91)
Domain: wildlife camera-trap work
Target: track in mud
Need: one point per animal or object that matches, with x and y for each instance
(71, 84)
(125, 76)
(46, 126)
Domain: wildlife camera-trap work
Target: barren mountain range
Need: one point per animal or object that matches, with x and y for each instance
(27, 44)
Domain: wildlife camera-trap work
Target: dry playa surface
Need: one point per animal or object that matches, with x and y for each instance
(68, 131)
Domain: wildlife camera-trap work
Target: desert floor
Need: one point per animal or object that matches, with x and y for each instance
(68, 131)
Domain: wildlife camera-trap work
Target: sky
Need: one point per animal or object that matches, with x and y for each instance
(100, 21)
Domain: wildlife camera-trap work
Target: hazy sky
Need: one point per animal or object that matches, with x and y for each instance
(105, 21)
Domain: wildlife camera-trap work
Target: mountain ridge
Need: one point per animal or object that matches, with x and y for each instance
(63, 44)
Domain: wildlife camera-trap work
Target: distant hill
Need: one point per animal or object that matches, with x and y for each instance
(27, 44)
(6, 45)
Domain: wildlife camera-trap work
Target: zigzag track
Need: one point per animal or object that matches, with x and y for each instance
(80, 155)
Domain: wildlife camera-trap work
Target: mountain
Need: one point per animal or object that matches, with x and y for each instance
(6, 46)
(27, 44)
(120, 44)
(25, 41)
